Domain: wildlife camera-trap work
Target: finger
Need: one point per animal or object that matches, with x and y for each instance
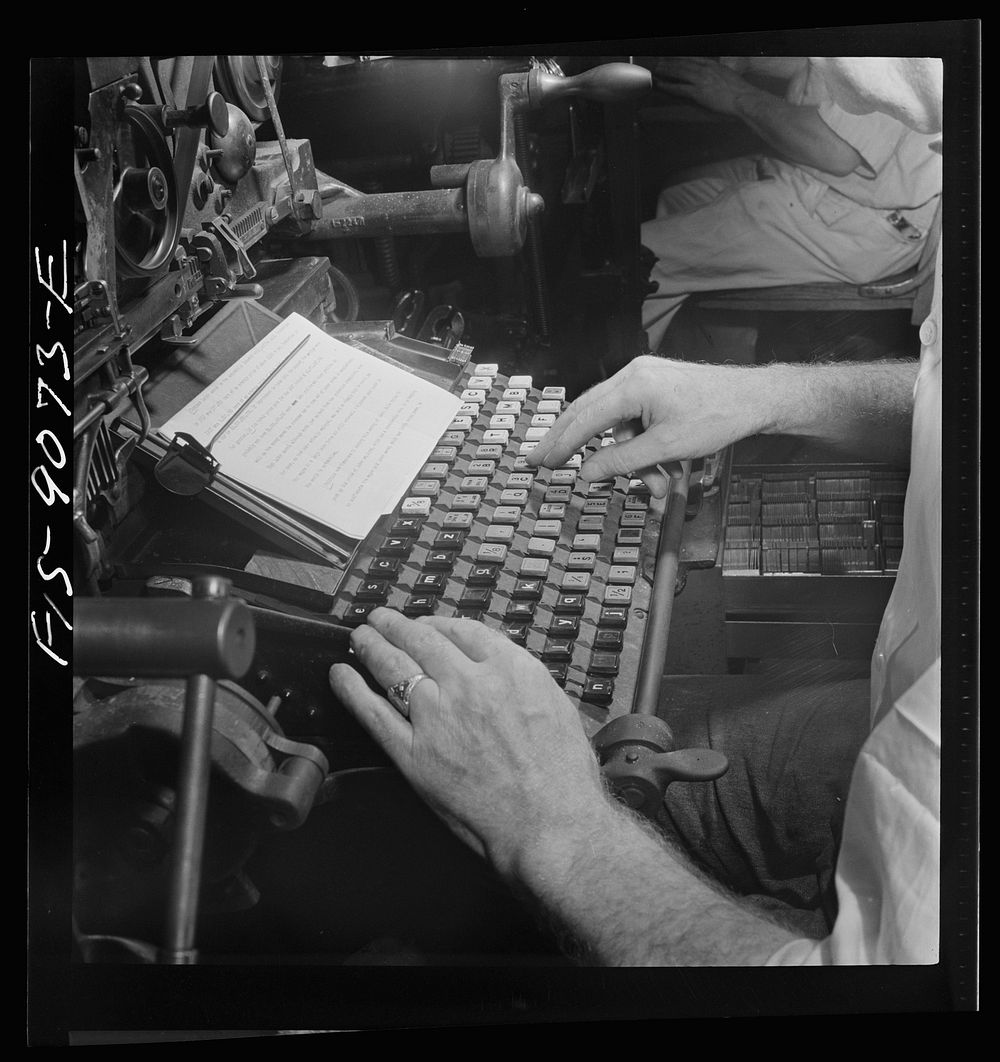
(603, 411)
(386, 663)
(552, 437)
(475, 639)
(373, 712)
(435, 654)
(642, 451)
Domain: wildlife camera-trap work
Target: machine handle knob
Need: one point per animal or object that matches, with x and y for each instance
(608, 83)
(214, 113)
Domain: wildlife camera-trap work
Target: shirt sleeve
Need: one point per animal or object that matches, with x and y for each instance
(873, 136)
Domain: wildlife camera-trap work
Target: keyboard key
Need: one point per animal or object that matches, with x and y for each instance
(373, 590)
(475, 597)
(590, 523)
(581, 561)
(528, 589)
(504, 421)
(570, 603)
(603, 664)
(635, 502)
(564, 626)
(474, 394)
(469, 613)
(548, 528)
(625, 555)
(499, 533)
(439, 560)
(512, 409)
(586, 543)
(600, 691)
(466, 502)
(535, 434)
(453, 439)
(489, 452)
(549, 406)
(554, 393)
(534, 566)
(629, 536)
(507, 514)
(407, 527)
(483, 575)
(394, 546)
(519, 381)
(541, 547)
(513, 497)
(473, 485)
(469, 409)
(551, 511)
(482, 382)
(492, 552)
(435, 470)
(617, 595)
(494, 435)
(594, 506)
(419, 604)
(562, 477)
(559, 494)
(609, 641)
(558, 672)
(519, 611)
(426, 488)
(358, 613)
(430, 583)
(454, 520)
(486, 368)
(633, 519)
(416, 507)
(461, 423)
(558, 649)
(575, 581)
(384, 567)
(515, 394)
(516, 632)
(447, 454)
(482, 468)
(622, 573)
(613, 616)
(449, 540)
(520, 481)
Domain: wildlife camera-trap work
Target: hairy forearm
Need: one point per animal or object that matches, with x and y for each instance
(864, 408)
(619, 895)
(797, 133)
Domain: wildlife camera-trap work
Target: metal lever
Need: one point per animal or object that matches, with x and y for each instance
(608, 83)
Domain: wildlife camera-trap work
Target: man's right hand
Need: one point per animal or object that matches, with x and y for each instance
(661, 411)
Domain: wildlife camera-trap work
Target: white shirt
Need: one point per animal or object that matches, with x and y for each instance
(888, 871)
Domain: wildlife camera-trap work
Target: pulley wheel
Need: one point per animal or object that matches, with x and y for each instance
(147, 218)
(238, 79)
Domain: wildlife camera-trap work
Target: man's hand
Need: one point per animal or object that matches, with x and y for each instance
(703, 81)
(492, 743)
(661, 411)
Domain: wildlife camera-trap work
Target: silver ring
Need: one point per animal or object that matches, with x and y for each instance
(400, 692)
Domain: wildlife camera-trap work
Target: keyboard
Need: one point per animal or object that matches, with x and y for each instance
(561, 567)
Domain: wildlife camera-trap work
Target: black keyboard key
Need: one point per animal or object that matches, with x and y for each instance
(373, 590)
(358, 613)
(564, 626)
(394, 546)
(483, 575)
(528, 589)
(609, 641)
(603, 664)
(558, 672)
(420, 604)
(430, 583)
(557, 650)
(475, 597)
(384, 567)
(469, 613)
(520, 610)
(407, 526)
(599, 691)
(570, 603)
(614, 616)
(439, 560)
(449, 540)
(516, 632)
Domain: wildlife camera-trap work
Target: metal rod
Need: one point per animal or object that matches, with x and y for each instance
(661, 603)
(192, 805)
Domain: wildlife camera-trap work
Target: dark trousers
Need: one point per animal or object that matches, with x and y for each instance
(770, 827)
